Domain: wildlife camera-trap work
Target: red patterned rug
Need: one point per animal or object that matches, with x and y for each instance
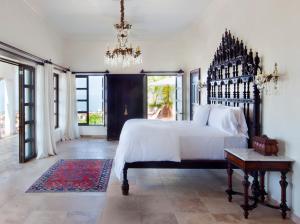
(78, 175)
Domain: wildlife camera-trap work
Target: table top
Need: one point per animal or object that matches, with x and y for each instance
(251, 155)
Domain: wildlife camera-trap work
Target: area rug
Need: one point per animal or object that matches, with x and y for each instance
(76, 175)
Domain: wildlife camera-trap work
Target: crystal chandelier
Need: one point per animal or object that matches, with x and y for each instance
(122, 53)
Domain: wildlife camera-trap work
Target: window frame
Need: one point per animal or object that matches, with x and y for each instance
(56, 101)
(87, 100)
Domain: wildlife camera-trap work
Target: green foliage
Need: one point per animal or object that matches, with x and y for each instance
(81, 118)
(160, 95)
(167, 92)
(95, 118)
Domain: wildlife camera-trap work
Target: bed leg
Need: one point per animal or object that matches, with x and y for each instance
(125, 185)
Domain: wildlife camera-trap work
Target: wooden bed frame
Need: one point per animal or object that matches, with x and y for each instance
(230, 82)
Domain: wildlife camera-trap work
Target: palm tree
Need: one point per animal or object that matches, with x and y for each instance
(166, 110)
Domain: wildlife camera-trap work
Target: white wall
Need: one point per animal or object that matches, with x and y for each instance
(23, 28)
(270, 27)
(88, 55)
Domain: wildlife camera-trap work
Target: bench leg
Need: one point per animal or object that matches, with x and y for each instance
(125, 185)
(229, 175)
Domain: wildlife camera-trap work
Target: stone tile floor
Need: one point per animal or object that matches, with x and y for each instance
(156, 196)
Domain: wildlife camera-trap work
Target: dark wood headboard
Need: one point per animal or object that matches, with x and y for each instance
(230, 80)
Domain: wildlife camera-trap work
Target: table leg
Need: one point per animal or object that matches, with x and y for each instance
(229, 172)
(246, 184)
(255, 187)
(283, 183)
(262, 186)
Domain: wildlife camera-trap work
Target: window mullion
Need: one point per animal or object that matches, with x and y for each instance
(56, 101)
(88, 101)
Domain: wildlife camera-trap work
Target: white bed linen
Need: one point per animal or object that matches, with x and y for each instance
(195, 147)
(146, 140)
(150, 140)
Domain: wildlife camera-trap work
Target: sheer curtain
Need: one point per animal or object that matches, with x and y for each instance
(45, 136)
(71, 128)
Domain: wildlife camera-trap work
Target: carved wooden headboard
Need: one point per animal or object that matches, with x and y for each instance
(230, 80)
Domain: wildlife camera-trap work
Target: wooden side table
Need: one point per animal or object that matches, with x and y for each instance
(255, 164)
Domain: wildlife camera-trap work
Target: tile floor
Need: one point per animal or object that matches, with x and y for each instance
(156, 196)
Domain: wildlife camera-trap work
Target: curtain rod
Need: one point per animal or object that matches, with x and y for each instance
(27, 56)
(8, 61)
(93, 72)
(15, 56)
(162, 72)
(61, 68)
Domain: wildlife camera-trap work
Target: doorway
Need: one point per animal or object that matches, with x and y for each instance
(17, 108)
(164, 97)
(9, 113)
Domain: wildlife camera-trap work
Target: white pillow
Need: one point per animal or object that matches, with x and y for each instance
(239, 116)
(242, 124)
(224, 119)
(201, 115)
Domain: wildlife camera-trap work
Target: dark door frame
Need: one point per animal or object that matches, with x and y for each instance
(23, 140)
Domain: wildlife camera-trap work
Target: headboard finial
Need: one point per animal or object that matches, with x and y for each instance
(257, 61)
(241, 47)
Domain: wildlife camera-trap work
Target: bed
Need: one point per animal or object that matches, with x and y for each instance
(182, 145)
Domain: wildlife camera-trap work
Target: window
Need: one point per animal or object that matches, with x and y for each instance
(56, 100)
(90, 99)
(164, 94)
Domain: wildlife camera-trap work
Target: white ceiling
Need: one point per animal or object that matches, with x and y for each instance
(94, 18)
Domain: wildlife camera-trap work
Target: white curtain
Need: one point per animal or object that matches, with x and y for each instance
(45, 136)
(71, 128)
(62, 105)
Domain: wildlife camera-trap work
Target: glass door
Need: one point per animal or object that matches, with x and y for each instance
(195, 97)
(27, 113)
(179, 98)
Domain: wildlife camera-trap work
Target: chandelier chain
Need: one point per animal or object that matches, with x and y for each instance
(122, 12)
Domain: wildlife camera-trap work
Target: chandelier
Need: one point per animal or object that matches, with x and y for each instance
(122, 53)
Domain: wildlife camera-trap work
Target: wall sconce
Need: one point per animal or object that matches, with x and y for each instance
(263, 80)
(201, 85)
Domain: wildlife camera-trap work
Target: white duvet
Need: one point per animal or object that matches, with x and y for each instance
(152, 140)
(146, 140)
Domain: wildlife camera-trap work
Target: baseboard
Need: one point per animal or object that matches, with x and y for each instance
(94, 136)
(295, 218)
